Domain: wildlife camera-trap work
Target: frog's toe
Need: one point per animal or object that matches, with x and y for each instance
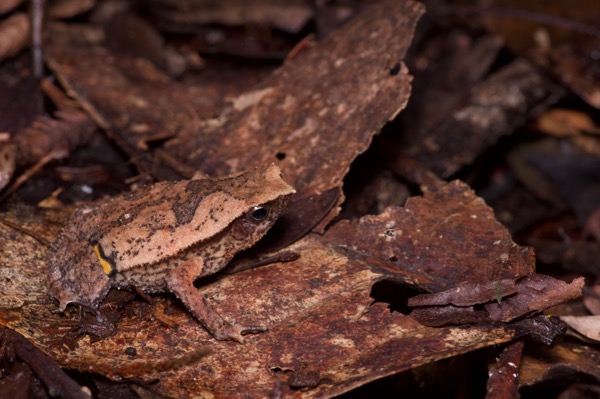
(236, 333)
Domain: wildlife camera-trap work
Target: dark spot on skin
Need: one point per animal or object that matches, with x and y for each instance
(196, 190)
(395, 69)
(131, 351)
(240, 229)
(280, 156)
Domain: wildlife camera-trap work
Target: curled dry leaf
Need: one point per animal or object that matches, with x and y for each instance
(14, 35)
(532, 293)
(70, 128)
(535, 293)
(467, 294)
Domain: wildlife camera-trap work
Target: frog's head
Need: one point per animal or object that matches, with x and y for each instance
(262, 196)
(86, 284)
(254, 224)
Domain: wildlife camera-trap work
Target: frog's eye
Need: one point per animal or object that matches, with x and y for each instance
(258, 213)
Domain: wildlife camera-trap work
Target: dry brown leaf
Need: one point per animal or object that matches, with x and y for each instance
(69, 128)
(14, 35)
(560, 363)
(467, 294)
(557, 36)
(535, 293)
(531, 294)
(565, 123)
(589, 326)
(439, 254)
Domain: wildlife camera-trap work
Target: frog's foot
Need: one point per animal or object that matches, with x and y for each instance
(181, 283)
(225, 330)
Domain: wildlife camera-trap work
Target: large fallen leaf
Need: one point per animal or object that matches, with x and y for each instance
(324, 335)
(312, 117)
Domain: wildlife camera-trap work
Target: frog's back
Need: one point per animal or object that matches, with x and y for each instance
(169, 217)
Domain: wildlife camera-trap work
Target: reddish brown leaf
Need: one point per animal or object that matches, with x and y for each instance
(467, 294)
(532, 293)
(535, 293)
(340, 91)
(447, 237)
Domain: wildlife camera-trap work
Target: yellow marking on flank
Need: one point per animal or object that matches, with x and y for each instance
(106, 266)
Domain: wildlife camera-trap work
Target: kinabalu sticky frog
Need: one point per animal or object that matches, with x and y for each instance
(163, 237)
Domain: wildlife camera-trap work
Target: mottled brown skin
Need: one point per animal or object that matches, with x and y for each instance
(163, 237)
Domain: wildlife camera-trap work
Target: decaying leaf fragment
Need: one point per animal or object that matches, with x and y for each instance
(504, 301)
(447, 237)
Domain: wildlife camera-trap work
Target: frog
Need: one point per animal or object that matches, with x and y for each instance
(163, 237)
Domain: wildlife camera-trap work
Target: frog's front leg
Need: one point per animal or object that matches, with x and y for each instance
(181, 282)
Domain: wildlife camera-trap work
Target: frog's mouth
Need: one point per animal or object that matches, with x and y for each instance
(86, 286)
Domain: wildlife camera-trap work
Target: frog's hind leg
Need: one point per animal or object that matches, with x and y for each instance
(181, 282)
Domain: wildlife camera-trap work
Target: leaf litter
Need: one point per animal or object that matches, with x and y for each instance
(460, 282)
